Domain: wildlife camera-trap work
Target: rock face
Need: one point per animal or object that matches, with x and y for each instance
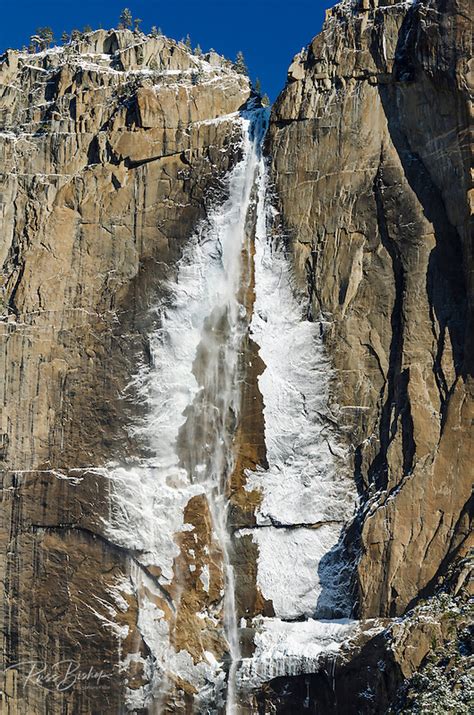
(141, 342)
(370, 162)
(109, 148)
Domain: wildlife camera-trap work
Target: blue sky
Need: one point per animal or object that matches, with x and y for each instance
(269, 32)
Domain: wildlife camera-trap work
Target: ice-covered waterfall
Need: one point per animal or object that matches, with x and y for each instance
(307, 493)
(205, 439)
(192, 397)
(193, 391)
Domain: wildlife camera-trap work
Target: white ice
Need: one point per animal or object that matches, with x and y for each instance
(307, 482)
(191, 384)
(283, 648)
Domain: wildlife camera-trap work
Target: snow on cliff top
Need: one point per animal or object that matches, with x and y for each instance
(120, 51)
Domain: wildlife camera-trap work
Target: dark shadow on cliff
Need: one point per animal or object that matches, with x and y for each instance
(445, 279)
(336, 573)
(365, 684)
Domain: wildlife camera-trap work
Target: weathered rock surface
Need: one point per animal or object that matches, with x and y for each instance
(371, 166)
(370, 159)
(109, 148)
(112, 150)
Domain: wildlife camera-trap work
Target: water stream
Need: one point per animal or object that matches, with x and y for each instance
(205, 440)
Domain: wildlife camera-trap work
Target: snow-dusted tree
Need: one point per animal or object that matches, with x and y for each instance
(198, 51)
(240, 64)
(126, 18)
(136, 24)
(266, 100)
(187, 42)
(258, 86)
(43, 38)
(87, 28)
(65, 38)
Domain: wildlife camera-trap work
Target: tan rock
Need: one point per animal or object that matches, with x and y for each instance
(106, 164)
(373, 190)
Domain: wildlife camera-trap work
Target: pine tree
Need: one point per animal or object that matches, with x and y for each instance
(239, 64)
(65, 38)
(258, 86)
(75, 35)
(156, 31)
(87, 28)
(126, 19)
(43, 38)
(136, 24)
(198, 51)
(187, 42)
(266, 100)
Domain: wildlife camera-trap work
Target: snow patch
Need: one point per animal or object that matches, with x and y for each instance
(207, 675)
(288, 562)
(146, 514)
(204, 576)
(283, 648)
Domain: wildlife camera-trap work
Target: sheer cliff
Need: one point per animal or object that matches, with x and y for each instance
(371, 166)
(108, 148)
(371, 163)
(236, 431)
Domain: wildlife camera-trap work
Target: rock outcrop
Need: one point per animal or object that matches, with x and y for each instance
(370, 159)
(111, 149)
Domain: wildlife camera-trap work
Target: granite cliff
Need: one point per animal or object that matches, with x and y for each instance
(390, 269)
(108, 148)
(236, 431)
(371, 166)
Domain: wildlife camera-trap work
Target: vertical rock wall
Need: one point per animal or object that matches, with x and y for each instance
(369, 144)
(112, 149)
(109, 148)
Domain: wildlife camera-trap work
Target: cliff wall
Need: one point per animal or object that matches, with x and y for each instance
(110, 148)
(370, 157)
(350, 338)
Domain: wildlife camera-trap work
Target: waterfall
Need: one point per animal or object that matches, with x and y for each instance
(191, 392)
(205, 440)
(233, 286)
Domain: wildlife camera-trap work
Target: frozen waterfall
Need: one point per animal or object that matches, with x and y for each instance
(192, 392)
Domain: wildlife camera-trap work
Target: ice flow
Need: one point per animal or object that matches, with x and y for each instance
(192, 391)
